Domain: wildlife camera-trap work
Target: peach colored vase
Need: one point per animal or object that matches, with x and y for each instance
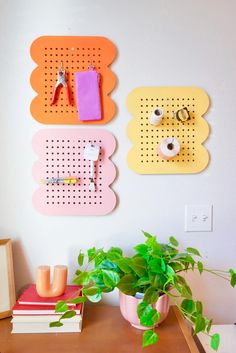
(128, 308)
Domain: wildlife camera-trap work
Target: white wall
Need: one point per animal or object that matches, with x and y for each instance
(160, 43)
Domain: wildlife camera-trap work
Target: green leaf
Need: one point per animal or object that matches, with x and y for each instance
(110, 278)
(209, 326)
(61, 306)
(186, 292)
(149, 319)
(170, 271)
(139, 266)
(151, 242)
(187, 261)
(147, 235)
(155, 280)
(215, 341)
(78, 272)
(91, 253)
(173, 241)
(233, 280)
(81, 259)
(155, 266)
(176, 285)
(96, 297)
(141, 249)
(123, 265)
(142, 308)
(114, 253)
(97, 278)
(78, 300)
(68, 314)
(154, 245)
(156, 316)
(127, 284)
(115, 250)
(108, 265)
(149, 337)
(99, 257)
(55, 324)
(147, 314)
(193, 317)
(181, 255)
(143, 281)
(90, 291)
(163, 265)
(200, 324)
(176, 266)
(151, 295)
(159, 281)
(193, 251)
(188, 305)
(82, 279)
(199, 307)
(200, 267)
(181, 280)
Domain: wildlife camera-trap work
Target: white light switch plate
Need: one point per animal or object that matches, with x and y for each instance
(198, 218)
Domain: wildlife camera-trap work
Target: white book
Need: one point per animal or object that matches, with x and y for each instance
(44, 319)
(42, 327)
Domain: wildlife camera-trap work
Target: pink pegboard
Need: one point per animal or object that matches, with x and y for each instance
(60, 153)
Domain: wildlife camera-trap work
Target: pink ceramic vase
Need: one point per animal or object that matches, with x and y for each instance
(128, 308)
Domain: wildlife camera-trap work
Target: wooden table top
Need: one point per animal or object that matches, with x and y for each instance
(104, 331)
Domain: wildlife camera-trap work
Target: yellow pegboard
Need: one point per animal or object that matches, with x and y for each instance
(143, 157)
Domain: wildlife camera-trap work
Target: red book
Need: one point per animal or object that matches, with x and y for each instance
(30, 296)
(20, 309)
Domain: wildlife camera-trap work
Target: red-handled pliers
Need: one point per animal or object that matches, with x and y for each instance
(61, 81)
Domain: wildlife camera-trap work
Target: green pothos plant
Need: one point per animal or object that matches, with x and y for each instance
(154, 269)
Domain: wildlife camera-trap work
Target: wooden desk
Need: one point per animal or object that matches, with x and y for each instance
(104, 331)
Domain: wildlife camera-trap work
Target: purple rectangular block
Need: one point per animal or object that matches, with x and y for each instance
(88, 95)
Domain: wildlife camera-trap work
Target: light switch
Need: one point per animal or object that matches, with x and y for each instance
(198, 218)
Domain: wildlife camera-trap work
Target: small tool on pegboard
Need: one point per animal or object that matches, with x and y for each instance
(70, 180)
(91, 153)
(61, 82)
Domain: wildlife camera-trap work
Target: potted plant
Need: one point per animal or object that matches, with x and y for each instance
(146, 281)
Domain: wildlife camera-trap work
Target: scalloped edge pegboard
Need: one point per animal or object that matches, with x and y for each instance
(143, 158)
(60, 153)
(76, 53)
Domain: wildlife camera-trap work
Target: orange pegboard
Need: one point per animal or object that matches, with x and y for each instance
(76, 53)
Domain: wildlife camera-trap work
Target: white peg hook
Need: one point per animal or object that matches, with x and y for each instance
(91, 153)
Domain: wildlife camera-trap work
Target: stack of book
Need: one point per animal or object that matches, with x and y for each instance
(33, 314)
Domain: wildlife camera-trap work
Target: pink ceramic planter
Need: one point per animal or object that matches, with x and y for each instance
(128, 308)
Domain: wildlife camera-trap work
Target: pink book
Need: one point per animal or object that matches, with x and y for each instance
(21, 309)
(30, 296)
